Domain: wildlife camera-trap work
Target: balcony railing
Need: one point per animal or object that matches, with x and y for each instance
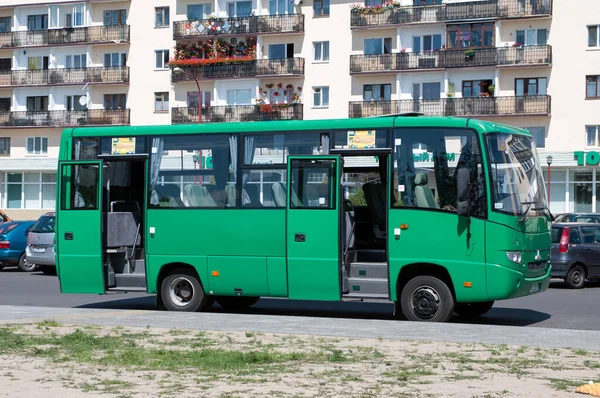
(117, 74)
(259, 67)
(479, 106)
(91, 117)
(65, 36)
(501, 56)
(293, 23)
(457, 11)
(237, 113)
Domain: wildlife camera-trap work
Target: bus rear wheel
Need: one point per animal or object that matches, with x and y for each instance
(427, 299)
(473, 310)
(181, 291)
(236, 303)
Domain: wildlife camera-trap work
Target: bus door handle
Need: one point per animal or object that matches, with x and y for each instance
(300, 237)
(68, 235)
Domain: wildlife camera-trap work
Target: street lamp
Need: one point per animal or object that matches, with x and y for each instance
(178, 71)
(549, 162)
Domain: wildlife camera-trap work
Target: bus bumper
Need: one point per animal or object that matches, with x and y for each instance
(505, 283)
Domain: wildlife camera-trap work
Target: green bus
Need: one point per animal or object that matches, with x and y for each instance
(438, 215)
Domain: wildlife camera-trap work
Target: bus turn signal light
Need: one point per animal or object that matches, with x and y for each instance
(215, 273)
(403, 226)
(468, 284)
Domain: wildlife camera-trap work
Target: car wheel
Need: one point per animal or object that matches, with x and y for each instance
(576, 277)
(24, 265)
(427, 299)
(181, 291)
(236, 303)
(473, 310)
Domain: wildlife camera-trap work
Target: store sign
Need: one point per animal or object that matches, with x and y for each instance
(591, 158)
(428, 157)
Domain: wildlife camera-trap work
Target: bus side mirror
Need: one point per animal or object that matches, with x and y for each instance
(463, 182)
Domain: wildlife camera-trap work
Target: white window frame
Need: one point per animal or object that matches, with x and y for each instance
(323, 96)
(70, 59)
(165, 65)
(40, 183)
(597, 36)
(321, 48)
(166, 11)
(597, 137)
(525, 31)
(422, 42)
(120, 57)
(235, 6)
(75, 102)
(164, 101)
(382, 39)
(41, 149)
(53, 16)
(235, 95)
(75, 12)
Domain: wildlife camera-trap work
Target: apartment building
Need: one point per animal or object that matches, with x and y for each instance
(529, 63)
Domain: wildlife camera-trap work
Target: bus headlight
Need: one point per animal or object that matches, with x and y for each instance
(514, 257)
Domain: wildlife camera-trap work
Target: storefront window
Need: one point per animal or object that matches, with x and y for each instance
(28, 190)
(580, 189)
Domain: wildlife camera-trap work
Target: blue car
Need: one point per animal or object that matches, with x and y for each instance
(13, 240)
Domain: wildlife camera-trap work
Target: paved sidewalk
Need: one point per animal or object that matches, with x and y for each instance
(339, 327)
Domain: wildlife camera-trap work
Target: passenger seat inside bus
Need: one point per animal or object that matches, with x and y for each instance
(198, 196)
(375, 193)
(423, 194)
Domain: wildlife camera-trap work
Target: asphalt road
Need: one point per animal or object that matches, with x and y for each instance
(558, 307)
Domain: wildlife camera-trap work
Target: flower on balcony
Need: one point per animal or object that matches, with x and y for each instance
(374, 9)
(216, 49)
(289, 86)
(270, 85)
(295, 98)
(208, 61)
(517, 44)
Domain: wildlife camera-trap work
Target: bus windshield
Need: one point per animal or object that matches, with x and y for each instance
(516, 176)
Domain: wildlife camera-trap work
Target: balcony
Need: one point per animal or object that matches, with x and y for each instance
(479, 106)
(293, 23)
(235, 69)
(91, 117)
(237, 113)
(458, 11)
(501, 56)
(65, 36)
(38, 77)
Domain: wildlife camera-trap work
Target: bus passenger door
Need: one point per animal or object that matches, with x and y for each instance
(79, 227)
(313, 222)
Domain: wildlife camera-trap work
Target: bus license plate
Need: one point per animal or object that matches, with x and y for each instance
(534, 288)
(39, 250)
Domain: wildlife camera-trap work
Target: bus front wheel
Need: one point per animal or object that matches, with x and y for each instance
(181, 291)
(427, 298)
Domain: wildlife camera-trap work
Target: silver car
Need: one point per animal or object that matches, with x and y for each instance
(40, 244)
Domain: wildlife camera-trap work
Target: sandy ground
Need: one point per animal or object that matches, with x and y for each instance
(333, 367)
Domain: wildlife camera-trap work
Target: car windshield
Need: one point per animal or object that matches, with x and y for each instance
(45, 224)
(516, 176)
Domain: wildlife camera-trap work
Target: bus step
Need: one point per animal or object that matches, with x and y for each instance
(368, 270)
(115, 290)
(364, 296)
(368, 285)
(130, 280)
(371, 255)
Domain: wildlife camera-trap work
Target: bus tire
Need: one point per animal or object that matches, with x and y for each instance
(576, 277)
(236, 303)
(473, 310)
(181, 291)
(427, 299)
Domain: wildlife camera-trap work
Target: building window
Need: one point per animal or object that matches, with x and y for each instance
(161, 102)
(29, 190)
(530, 87)
(162, 17)
(592, 135)
(115, 17)
(321, 51)
(37, 22)
(5, 24)
(593, 89)
(470, 35)
(593, 38)
(539, 136)
(321, 96)
(115, 59)
(76, 102)
(78, 11)
(321, 8)
(76, 61)
(377, 92)
(476, 88)
(427, 43)
(161, 59)
(280, 51)
(239, 8)
(196, 12)
(279, 7)
(37, 63)
(4, 146)
(239, 97)
(37, 145)
(192, 99)
(115, 101)
(430, 91)
(532, 37)
(37, 104)
(378, 46)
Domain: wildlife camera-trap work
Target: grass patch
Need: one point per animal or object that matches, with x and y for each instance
(48, 323)
(565, 384)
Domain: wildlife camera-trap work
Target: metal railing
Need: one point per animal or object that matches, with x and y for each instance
(457, 11)
(117, 74)
(90, 117)
(477, 106)
(291, 23)
(237, 113)
(463, 58)
(258, 67)
(65, 36)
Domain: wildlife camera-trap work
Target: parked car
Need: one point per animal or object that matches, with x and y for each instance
(40, 244)
(13, 239)
(575, 253)
(578, 217)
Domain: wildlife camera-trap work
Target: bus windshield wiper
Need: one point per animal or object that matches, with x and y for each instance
(524, 214)
(546, 211)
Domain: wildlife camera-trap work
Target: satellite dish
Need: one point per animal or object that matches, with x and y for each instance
(83, 100)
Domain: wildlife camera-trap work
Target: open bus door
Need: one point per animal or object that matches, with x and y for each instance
(79, 227)
(313, 223)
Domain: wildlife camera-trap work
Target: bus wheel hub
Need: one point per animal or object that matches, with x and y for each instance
(181, 291)
(426, 302)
